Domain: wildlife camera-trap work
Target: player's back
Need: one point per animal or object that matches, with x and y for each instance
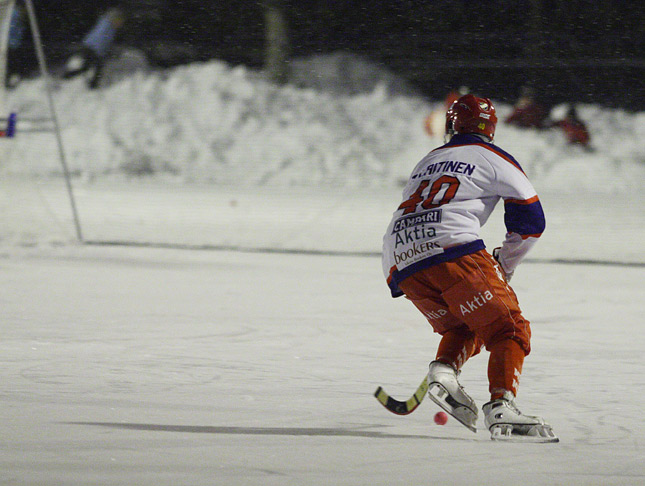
(452, 189)
(450, 194)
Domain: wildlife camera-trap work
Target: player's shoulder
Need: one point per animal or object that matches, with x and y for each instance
(489, 150)
(491, 147)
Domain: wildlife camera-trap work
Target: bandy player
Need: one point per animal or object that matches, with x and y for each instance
(433, 254)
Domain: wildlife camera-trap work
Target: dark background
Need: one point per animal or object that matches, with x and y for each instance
(583, 51)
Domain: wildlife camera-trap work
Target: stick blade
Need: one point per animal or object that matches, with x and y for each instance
(399, 407)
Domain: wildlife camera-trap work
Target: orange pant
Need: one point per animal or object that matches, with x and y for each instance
(469, 303)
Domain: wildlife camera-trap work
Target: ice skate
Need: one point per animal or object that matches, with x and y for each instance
(445, 391)
(507, 423)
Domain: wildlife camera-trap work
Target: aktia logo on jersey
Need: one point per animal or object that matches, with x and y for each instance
(405, 237)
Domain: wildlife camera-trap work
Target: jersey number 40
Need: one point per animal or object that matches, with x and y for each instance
(447, 185)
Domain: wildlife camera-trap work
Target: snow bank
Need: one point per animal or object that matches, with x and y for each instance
(215, 123)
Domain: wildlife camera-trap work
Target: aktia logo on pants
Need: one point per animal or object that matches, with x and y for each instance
(477, 302)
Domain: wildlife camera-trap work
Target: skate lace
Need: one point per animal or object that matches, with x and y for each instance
(461, 388)
(455, 374)
(513, 407)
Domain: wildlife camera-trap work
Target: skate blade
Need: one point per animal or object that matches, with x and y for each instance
(438, 394)
(535, 434)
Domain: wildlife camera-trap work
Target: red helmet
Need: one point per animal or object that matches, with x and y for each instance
(471, 114)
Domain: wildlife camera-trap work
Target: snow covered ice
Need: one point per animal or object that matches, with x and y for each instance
(165, 366)
(152, 366)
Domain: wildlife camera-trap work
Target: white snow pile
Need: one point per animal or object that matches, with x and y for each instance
(211, 122)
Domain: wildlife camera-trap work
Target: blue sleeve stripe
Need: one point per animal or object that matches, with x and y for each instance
(524, 219)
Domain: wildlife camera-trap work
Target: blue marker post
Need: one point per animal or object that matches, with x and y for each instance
(10, 130)
(11, 125)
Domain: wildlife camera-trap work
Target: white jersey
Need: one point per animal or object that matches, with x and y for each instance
(449, 196)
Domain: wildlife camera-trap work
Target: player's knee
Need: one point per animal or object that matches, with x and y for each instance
(518, 332)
